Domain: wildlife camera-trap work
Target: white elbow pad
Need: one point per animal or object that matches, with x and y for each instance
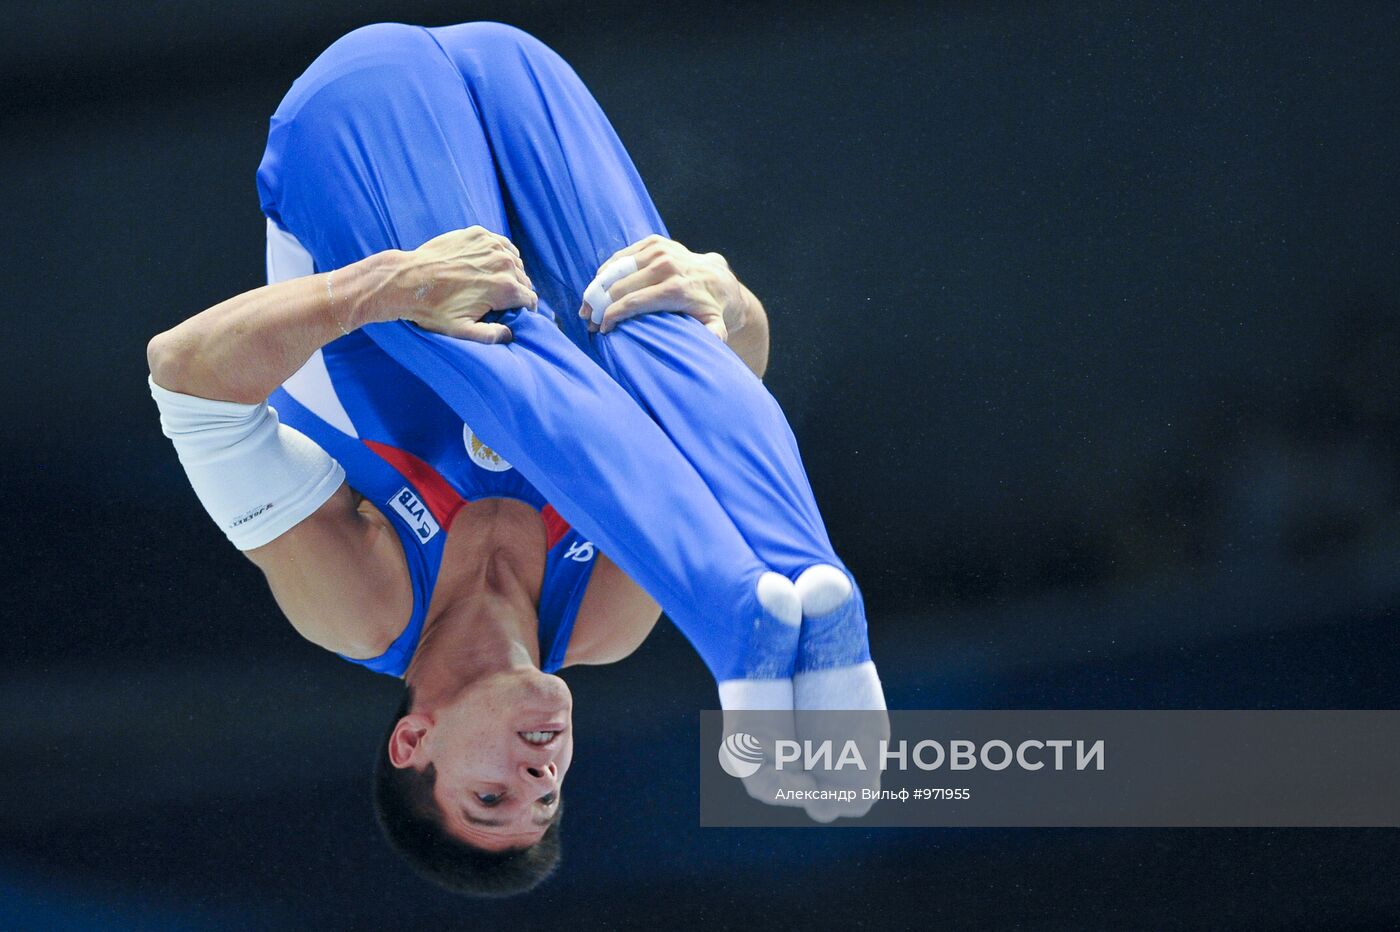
(256, 477)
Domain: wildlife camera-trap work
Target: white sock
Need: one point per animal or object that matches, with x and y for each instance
(755, 695)
(856, 688)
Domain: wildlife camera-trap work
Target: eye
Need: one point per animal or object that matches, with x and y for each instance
(548, 798)
(489, 799)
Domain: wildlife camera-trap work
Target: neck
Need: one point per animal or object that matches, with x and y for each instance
(490, 627)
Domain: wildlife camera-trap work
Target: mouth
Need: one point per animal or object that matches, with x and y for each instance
(539, 737)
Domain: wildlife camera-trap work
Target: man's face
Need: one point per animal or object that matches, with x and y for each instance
(501, 752)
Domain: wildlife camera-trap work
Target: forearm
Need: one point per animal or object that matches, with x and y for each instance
(243, 348)
(748, 334)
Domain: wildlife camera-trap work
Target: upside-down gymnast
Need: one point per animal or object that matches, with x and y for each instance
(466, 476)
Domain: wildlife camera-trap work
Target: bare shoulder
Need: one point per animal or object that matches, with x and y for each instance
(340, 577)
(614, 619)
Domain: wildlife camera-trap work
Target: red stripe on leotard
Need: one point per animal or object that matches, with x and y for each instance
(442, 500)
(555, 527)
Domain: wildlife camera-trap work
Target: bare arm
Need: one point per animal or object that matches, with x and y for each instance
(615, 617)
(340, 577)
(748, 334)
(243, 348)
(339, 574)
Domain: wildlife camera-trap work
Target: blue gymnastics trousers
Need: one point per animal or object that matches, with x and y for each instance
(654, 440)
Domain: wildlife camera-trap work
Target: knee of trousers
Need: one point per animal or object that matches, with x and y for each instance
(834, 630)
(765, 638)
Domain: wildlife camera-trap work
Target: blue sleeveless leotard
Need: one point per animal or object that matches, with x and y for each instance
(406, 451)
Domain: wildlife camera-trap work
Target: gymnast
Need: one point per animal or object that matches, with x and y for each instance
(483, 424)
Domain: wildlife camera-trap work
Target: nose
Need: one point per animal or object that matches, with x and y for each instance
(541, 778)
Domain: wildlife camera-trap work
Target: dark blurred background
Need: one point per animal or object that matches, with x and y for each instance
(1087, 319)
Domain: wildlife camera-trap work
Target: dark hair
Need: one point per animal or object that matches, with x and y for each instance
(412, 824)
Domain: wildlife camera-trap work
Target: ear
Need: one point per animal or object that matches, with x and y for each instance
(406, 742)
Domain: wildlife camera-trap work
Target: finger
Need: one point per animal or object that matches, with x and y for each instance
(512, 294)
(478, 332)
(642, 278)
(621, 277)
(638, 246)
(503, 260)
(515, 262)
(660, 297)
(718, 328)
(616, 270)
(597, 299)
(596, 295)
(509, 245)
(586, 312)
